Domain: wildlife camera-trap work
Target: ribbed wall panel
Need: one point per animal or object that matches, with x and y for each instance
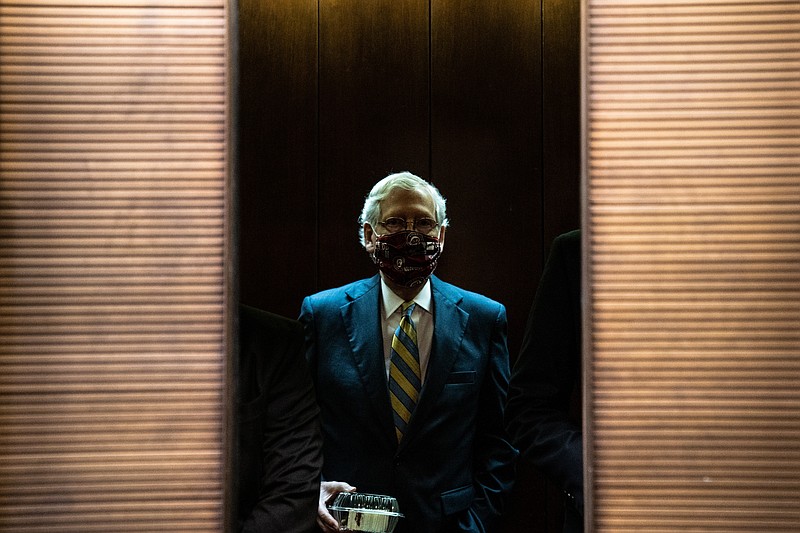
(113, 175)
(693, 265)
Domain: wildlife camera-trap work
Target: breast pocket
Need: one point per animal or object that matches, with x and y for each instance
(461, 378)
(459, 393)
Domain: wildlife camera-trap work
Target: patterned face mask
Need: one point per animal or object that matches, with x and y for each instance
(407, 257)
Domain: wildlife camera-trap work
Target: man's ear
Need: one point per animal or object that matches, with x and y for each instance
(369, 238)
(442, 231)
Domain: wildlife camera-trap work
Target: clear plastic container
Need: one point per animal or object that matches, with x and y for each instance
(367, 513)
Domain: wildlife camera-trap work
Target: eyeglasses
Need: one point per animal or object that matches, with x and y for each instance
(422, 225)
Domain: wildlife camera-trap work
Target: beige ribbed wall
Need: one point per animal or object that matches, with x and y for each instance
(693, 238)
(113, 175)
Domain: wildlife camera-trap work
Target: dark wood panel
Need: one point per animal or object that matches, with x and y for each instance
(561, 118)
(373, 120)
(485, 145)
(277, 152)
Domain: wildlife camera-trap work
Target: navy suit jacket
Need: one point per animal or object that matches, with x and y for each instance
(454, 464)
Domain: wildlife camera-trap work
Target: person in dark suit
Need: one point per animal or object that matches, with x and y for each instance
(280, 443)
(546, 375)
(450, 464)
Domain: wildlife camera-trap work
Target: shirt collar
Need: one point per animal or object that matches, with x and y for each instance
(391, 301)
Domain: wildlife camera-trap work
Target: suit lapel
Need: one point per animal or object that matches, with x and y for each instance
(450, 322)
(361, 316)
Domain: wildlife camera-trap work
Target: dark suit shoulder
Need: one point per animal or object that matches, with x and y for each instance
(253, 319)
(566, 253)
(337, 294)
(465, 298)
(569, 239)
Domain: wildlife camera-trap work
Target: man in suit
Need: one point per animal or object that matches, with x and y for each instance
(280, 444)
(547, 374)
(443, 453)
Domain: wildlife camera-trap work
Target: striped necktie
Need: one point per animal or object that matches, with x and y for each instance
(405, 378)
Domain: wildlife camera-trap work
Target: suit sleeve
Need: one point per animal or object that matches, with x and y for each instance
(547, 371)
(495, 457)
(291, 445)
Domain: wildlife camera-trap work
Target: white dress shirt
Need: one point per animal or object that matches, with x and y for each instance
(422, 317)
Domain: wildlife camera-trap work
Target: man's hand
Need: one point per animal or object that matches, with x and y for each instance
(327, 492)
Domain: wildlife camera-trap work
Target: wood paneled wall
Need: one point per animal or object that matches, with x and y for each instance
(481, 97)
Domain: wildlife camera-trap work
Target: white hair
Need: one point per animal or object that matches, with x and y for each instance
(371, 213)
